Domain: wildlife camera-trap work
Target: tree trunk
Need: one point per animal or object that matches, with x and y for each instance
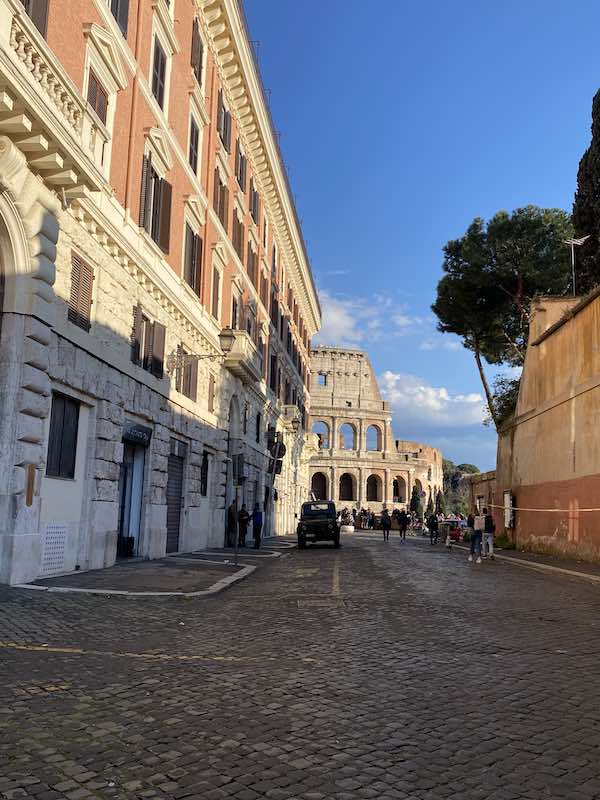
(486, 388)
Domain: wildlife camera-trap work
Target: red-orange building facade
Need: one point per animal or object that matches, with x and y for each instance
(141, 137)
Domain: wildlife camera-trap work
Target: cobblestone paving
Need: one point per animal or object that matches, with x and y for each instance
(375, 671)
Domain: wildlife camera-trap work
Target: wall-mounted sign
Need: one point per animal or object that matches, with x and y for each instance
(138, 434)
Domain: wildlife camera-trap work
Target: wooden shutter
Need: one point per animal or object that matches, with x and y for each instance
(196, 58)
(97, 97)
(38, 11)
(211, 393)
(164, 229)
(198, 281)
(158, 349)
(189, 265)
(80, 300)
(221, 115)
(193, 375)
(217, 191)
(69, 439)
(146, 193)
(120, 11)
(194, 143)
(136, 335)
(179, 370)
(159, 65)
(55, 436)
(225, 206)
(215, 292)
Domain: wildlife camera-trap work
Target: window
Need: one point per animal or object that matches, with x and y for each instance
(264, 291)
(62, 441)
(159, 73)
(258, 427)
(254, 203)
(216, 292)
(97, 97)
(192, 265)
(273, 373)
(197, 52)
(221, 199)
(211, 394)
(252, 265)
(186, 376)
(322, 379)
(240, 166)
(120, 11)
(194, 145)
(155, 205)
(38, 11)
(265, 232)
(235, 312)
(238, 236)
(204, 475)
(224, 123)
(274, 260)
(80, 300)
(147, 343)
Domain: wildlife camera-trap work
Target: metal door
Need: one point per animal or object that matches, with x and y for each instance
(174, 497)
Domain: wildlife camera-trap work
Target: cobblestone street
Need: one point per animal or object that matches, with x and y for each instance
(375, 671)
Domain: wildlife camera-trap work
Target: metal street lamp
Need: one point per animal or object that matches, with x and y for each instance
(575, 243)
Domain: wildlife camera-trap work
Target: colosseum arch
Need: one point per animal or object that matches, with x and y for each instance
(319, 486)
(374, 489)
(347, 488)
(374, 438)
(399, 490)
(322, 430)
(347, 436)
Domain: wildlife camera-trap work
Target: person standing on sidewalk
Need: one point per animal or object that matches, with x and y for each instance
(386, 524)
(257, 523)
(403, 522)
(433, 525)
(243, 520)
(489, 529)
(476, 536)
(231, 524)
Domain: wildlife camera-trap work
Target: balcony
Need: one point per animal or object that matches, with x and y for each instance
(241, 356)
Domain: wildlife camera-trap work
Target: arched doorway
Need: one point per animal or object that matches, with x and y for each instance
(374, 438)
(318, 486)
(399, 490)
(322, 431)
(347, 487)
(374, 485)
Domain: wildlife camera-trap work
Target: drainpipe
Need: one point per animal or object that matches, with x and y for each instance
(134, 107)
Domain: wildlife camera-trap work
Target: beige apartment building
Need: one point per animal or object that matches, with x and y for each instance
(156, 299)
(359, 463)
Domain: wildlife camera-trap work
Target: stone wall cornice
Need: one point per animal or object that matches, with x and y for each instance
(227, 34)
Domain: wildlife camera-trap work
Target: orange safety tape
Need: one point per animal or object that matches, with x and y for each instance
(554, 510)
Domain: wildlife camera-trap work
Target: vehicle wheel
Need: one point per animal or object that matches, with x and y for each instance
(301, 543)
(336, 541)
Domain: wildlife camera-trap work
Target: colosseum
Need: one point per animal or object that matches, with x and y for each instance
(359, 462)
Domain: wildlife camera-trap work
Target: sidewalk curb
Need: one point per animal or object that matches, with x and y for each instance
(540, 567)
(216, 588)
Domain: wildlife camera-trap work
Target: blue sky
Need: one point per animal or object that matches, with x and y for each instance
(399, 123)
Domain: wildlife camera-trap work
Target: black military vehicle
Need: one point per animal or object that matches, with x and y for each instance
(318, 523)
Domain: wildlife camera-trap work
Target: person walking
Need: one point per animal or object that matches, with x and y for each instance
(433, 525)
(257, 523)
(386, 524)
(231, 524)
(403, 520)
(489, 529)
(243, 520)
(476, 538)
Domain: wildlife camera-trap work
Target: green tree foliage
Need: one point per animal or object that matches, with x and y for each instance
(455, 487)
(440, 503)
(430, 507)
(491, 275)
(506, 394)
(415, 503)
(586, 208)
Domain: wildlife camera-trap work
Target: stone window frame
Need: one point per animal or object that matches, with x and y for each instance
(162, 30)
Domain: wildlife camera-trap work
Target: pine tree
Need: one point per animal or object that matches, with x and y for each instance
(440, 503)
(430, 509)
(415, 503)
(586, 209)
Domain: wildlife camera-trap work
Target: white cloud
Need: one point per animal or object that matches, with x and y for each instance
(440, 343)
(352, 322)
(414, 401)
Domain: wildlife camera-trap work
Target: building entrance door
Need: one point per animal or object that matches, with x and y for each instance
(131, 485)
(174, 492)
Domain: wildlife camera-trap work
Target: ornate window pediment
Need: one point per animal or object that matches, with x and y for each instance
(160, 147)
(108, 51)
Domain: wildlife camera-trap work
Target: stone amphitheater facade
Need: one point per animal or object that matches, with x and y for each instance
(359, 462)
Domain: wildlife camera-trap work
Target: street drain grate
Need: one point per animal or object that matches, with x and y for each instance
(321, 602)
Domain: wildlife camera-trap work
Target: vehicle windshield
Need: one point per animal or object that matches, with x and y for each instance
(317, 509)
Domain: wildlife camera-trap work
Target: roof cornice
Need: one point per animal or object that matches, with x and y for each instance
(229, 40)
